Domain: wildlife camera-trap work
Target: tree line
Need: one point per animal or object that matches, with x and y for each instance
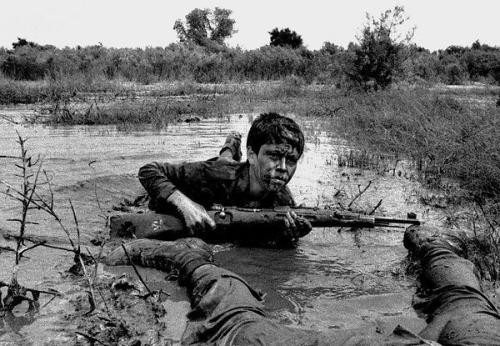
(381, 56)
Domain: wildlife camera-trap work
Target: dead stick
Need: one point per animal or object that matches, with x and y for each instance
(76, 225)
(43, 243)
(359, 194)
(135, 269)
(55, 293)
(375, 208)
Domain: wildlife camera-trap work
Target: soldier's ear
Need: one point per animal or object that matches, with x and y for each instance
(251, 156)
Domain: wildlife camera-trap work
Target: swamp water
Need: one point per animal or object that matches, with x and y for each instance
(332, 280)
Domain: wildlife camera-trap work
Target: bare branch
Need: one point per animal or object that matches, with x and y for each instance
(30, 247)
(359, 194)
(9, 157)
(375, 208)
(76, 225)
(135, 269)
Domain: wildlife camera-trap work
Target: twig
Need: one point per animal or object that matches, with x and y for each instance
(375, 208)
(76, 225)
(91, 289)
(10, 157)
(135, 269)
(53, 293)
(96, 261)
(30, 247)
(50, 301)
(359, 194)
(44, 242)
(50, 210)
(50, 189)
(108, 312)
(9, 119)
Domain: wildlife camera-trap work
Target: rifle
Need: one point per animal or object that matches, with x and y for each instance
(234, 223)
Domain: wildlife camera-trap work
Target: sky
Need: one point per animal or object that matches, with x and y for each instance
(127, 23)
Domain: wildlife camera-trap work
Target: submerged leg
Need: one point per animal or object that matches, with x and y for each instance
(226, 310)
(458, 311)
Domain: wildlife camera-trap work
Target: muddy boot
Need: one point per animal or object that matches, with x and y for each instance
(420, 239)
(183, 255)
(232, 147)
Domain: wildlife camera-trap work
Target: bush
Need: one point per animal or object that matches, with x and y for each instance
(379, 55)
(455, 74)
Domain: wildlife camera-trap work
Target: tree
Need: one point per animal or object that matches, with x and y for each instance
(21, 42)
(285, 38)
(204, 27)
(330, 48)
(381, 50)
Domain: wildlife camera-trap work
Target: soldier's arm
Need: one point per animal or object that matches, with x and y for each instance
(160, 179)
(162, 182)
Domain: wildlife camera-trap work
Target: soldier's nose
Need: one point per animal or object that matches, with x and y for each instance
(282, 163)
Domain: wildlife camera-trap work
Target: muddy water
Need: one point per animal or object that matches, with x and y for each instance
(333, 279)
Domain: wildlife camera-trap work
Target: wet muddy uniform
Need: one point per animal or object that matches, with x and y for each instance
(206, 182)
(215, 181)
(227, 311)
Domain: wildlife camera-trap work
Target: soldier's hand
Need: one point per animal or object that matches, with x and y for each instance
(197, 219)
(195, 216)
(295, 226)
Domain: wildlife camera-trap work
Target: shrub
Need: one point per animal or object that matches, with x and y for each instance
(379, 55)
(455, 74)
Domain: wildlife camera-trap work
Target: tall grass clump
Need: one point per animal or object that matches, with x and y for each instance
(20, 92)
(158, 112)
(54, 89)
(444, 137)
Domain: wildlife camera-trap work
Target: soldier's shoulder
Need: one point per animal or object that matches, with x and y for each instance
(224, 169)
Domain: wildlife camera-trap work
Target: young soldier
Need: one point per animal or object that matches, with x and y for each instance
(274, 145)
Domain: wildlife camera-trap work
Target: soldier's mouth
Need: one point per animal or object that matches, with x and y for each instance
(278, 181)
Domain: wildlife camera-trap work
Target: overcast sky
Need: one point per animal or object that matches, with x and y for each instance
(128, 23)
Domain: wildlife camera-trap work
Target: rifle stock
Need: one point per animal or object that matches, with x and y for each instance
(233, 223)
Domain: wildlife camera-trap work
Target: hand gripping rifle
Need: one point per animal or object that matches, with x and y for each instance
(233, 223)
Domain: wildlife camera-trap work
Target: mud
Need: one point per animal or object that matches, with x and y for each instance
(333, 279)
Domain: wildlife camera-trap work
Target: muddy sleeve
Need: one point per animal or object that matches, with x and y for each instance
(161, 179)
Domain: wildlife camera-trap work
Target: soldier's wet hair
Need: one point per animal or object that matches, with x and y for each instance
(273, 128)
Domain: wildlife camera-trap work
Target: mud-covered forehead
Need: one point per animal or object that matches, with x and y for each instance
(272, 128)
(283, 148)
(286, 137)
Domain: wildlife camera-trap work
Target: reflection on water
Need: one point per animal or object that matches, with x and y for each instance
(328, 265)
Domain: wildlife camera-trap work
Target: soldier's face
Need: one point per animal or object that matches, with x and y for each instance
(274, 165)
